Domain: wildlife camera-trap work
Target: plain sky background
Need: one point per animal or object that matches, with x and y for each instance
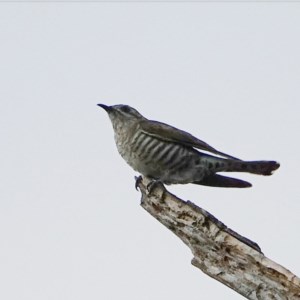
(70, 222)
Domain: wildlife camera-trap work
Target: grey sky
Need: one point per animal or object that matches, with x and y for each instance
(70, 222)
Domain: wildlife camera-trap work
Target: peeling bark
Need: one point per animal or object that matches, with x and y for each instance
(219, 251)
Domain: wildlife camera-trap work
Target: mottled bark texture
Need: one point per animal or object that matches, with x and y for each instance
(219, 251)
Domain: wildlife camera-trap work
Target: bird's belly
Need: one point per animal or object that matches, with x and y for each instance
(168, 162)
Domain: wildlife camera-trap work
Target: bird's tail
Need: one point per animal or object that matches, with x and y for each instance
(217, 180)
(231, 165)
(263, 167)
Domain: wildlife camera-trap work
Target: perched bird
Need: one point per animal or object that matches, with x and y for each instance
(165, 153)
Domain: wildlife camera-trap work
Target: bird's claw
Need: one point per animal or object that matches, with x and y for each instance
(138, 180)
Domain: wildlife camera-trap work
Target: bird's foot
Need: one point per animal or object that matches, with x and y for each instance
(138, 180)
(152, 185)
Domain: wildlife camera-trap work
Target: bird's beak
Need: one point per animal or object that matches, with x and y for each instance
(105, 107)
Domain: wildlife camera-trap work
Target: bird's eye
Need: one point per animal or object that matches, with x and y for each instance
(125, 109)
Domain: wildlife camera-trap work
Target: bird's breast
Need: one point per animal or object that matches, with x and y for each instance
(151, 156)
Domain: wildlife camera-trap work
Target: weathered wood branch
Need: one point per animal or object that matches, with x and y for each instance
(219, 251)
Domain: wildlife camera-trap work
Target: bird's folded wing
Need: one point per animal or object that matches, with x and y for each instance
(172, 134)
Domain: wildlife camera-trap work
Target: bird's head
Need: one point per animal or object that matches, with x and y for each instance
(121, 113)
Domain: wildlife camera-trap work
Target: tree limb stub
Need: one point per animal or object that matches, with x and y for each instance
(219, 251)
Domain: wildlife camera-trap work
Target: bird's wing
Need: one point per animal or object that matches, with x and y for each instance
(172, 134)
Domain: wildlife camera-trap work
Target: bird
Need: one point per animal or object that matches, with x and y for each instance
(169, 155)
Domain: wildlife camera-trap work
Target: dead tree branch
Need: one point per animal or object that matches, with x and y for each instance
(219, 251)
